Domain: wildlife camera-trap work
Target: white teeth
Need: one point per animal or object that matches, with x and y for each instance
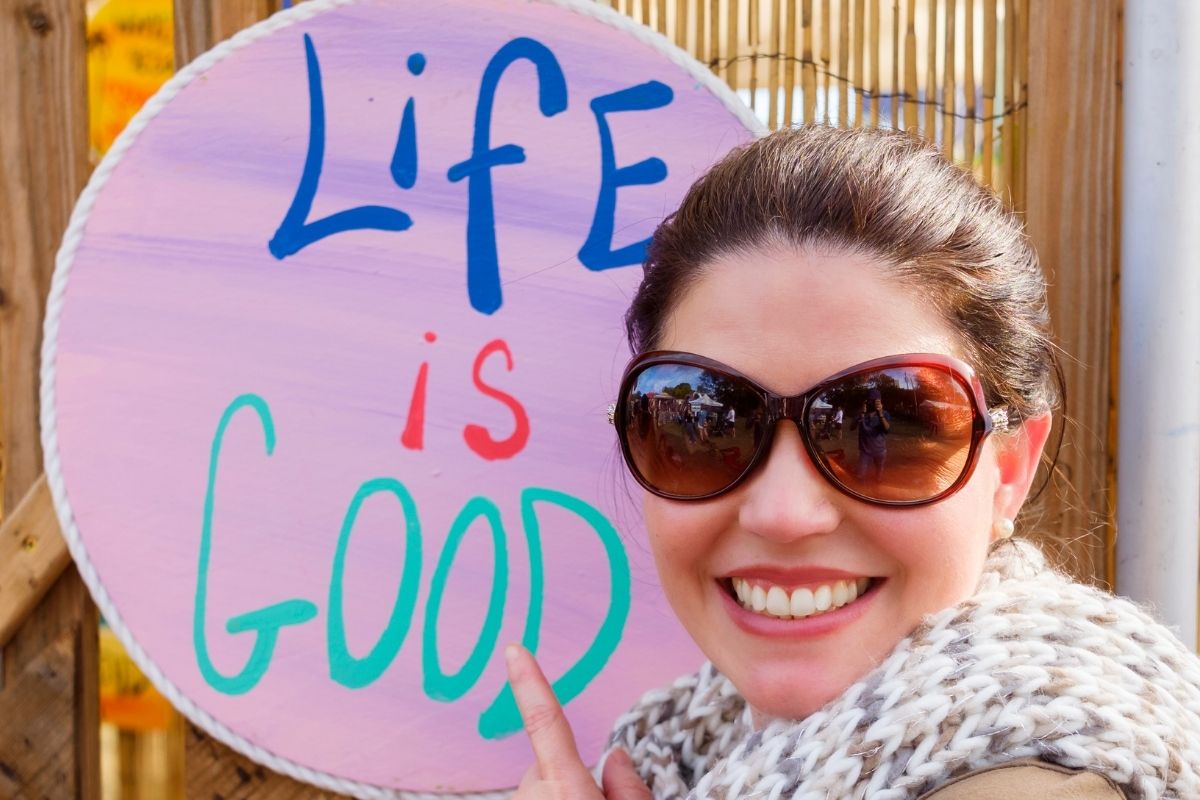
(778, 603)
(823, 597)
(775, 601)
(758, 599)
(802, 603)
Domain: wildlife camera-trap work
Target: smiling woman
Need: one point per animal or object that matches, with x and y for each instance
(842, 387)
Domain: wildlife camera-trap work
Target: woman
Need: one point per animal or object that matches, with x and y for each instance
(872, 630)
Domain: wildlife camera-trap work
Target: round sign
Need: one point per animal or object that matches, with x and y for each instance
(328, 355)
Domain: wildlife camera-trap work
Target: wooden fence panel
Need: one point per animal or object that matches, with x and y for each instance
(1071, 205)
(43, 136)
(49, 739)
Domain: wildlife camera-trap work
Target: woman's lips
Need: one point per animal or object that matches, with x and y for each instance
(816, 624)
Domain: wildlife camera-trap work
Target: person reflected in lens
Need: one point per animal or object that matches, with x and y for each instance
(873, 424)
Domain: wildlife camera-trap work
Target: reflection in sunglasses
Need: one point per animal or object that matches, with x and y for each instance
(913, 432)
(899, 433)
(685, 450)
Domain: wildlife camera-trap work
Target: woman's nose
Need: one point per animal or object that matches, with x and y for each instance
(786, 498)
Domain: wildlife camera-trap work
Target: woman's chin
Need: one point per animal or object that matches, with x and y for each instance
(782, 691)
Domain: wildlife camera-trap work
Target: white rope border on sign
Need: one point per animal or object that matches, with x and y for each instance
(54, 306)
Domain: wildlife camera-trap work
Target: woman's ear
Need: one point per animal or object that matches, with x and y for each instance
(1018, 454)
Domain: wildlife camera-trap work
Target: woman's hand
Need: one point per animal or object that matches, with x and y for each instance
(558, 773)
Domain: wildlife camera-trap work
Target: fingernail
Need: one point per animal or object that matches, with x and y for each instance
(511, 653)
(620, 757)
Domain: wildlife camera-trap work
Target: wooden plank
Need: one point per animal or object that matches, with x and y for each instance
(1020, 98)
(911, 87)
(213, 770)
(191, 31)
(989, 87)
(948, 124)
(230, 16)
(858, 65)
(930, 98)
(789, 63)
(827, 83)
(775, 62)
(844, 63)
(732, 65)
(43, 151)
(753, 20)
(681, 24)
(33, 555)
(752, 34)
(1071, 210)
(714, 33)
(873, 76)
(49, 739)
(200, 24)
(808, 75)
(897, 49)
(969, 84)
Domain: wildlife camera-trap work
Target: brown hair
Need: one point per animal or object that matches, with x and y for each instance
(886, 194)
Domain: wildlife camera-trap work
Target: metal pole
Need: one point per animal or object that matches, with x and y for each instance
(1158, 445)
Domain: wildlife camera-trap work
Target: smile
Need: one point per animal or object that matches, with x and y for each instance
(772, 600)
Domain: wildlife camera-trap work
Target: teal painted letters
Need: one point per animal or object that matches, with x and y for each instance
(502, 717)
(265, 622)
(438, 685)
(343, 667)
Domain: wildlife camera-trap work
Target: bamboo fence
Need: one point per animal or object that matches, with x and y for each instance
(952, 71)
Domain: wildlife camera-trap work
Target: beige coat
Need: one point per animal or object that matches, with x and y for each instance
(1027, 778)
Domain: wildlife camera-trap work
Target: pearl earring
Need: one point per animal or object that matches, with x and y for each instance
(1003, 528)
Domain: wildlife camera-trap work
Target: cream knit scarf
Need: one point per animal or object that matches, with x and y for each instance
(1032, 665)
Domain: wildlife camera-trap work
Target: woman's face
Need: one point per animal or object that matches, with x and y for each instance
(788, 320)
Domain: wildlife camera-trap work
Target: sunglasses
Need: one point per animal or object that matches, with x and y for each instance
(903, 430)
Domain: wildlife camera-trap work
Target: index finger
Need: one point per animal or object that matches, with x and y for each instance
(549, 732)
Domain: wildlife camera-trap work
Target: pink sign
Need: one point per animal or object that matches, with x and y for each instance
(329, 349)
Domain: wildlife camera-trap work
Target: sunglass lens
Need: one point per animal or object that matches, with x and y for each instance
(690, 431)
(898, 434)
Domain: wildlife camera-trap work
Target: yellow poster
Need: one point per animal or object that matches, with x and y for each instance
(131, 52)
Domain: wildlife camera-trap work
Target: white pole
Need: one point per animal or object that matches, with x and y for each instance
(1158, 445)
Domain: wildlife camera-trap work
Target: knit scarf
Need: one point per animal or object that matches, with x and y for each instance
(1031, 665)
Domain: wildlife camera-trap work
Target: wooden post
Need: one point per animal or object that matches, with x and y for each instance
(787, 63)
(989, 88)
(753, 33)
(948, 121)
(49, 703)
(929, 129)
(778, 61)
(911, 121)
(858, 60)
(1071, 203)
(968, 159)
(808, 64)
